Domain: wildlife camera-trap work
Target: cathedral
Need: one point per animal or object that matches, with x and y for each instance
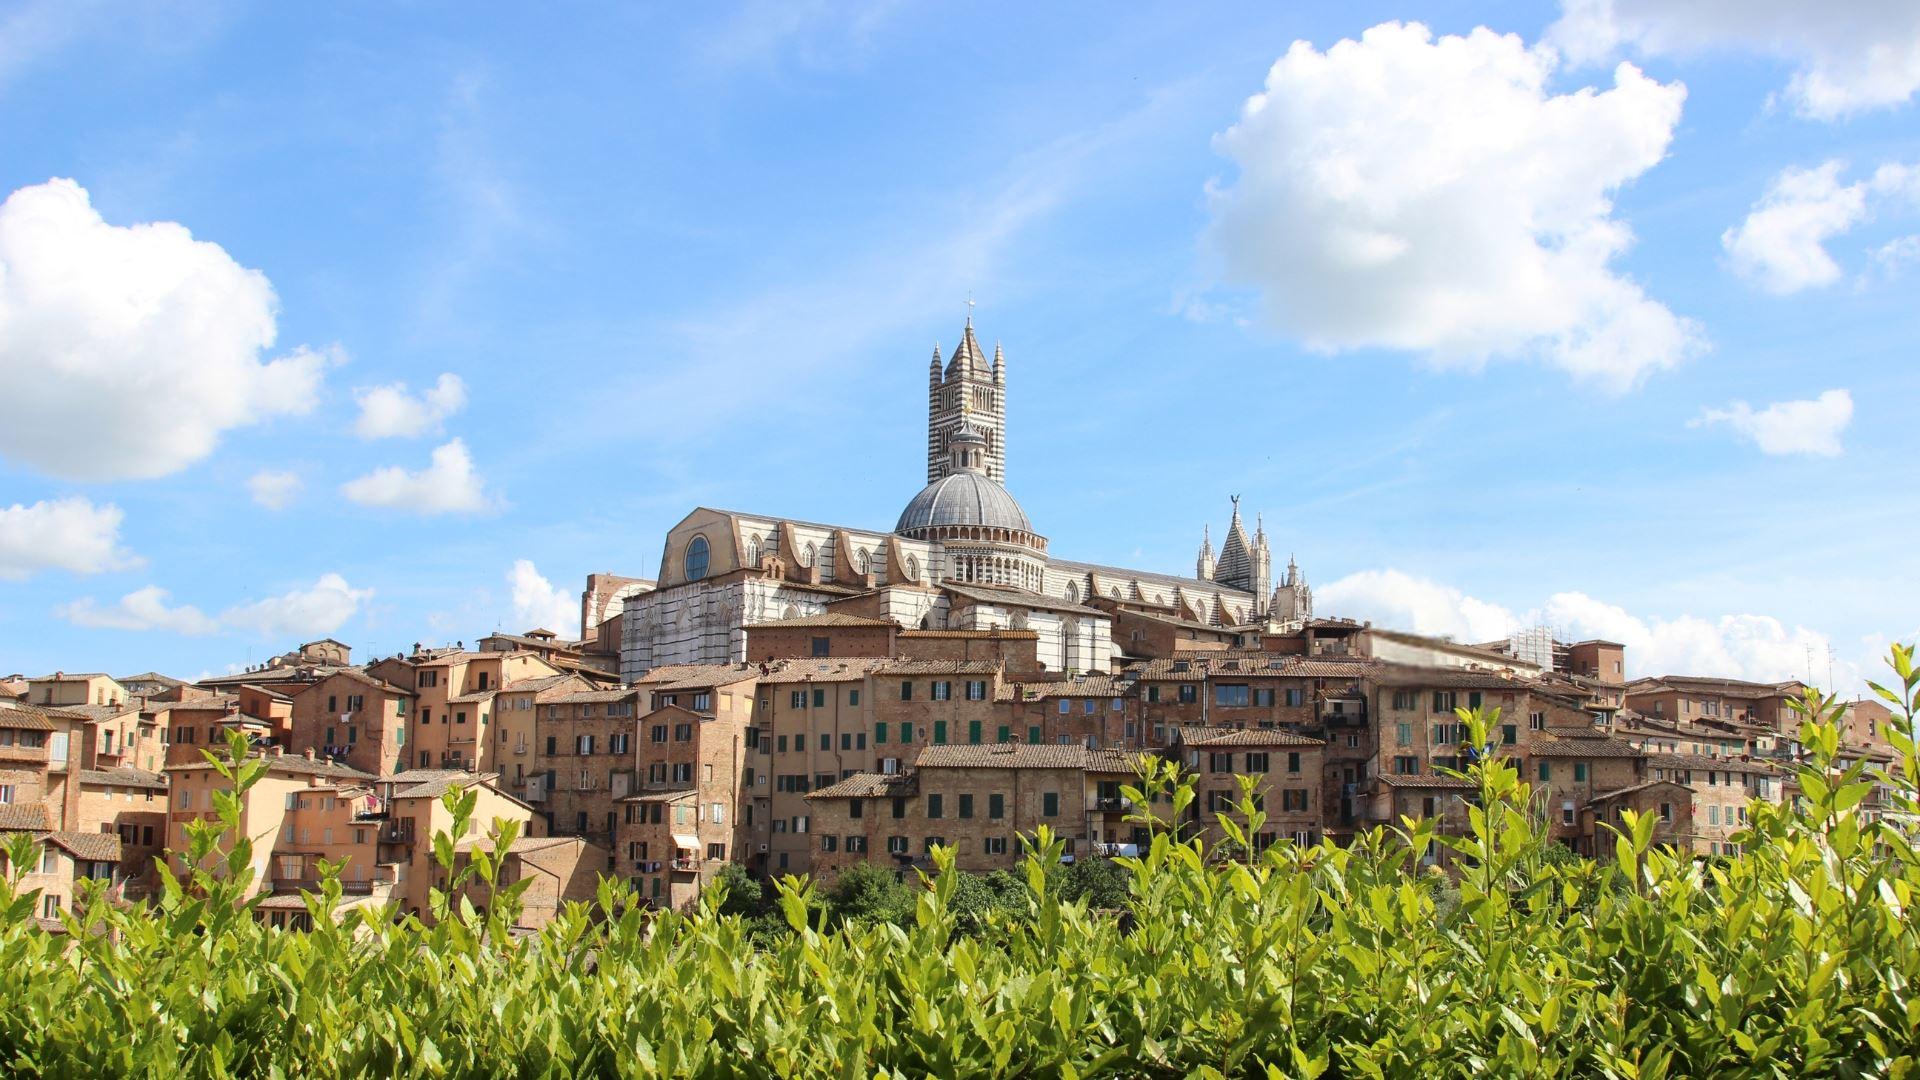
(963, 556)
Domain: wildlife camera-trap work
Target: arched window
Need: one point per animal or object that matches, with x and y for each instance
(1073, 593)
(913, 568)
(806, 555)
(861, 561)
(696, 558)
(753, 551)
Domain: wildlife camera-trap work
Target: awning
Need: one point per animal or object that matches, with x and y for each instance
(686, 842)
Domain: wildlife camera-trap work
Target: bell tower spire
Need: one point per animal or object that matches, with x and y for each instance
(969, 391)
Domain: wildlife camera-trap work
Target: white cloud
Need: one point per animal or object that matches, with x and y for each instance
(307, 612)
(1743, 646)
(1789, 427)
(1897, 254)
(390, 411)
(1432, 195)
(1848, 55)
(1781, 246)
(273, 489)
(448, 485)
(65, 534)
(536, 603)
(142, 609)
(1401, 601)
(1782, 243)
(129, 350)
(310, 612)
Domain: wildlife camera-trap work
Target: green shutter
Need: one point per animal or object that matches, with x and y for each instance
(1050, 804)
(880, 733)
(973, 731)
(940, 731)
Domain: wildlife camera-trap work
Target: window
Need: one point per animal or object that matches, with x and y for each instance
(1188, 695)
(1537, 721)
(896, 845)
(703, 701)
(856, 844)
(583, 744)
(696, 558)
(966, 805)
(1033, 734)
(797, 700)
(973, 731)
(1406, 766)
(1050, 804)
(1153, 694)
(1579, 771)
(1293, 800)
(1546, 771)
(1566, 812)
(899, 810)
(1509, 734)
(939, 729)
(996, 806)
(934, 842)
(820, 646)
(826, 741)
(1666, 811)
(993, 845)
(906, 691)
(828, 843)
(880, 733)
(976, 689)
(819, 697)
(1256, 763)
(1296, 697)
(1263, 697)
(936, 805)
(1231, 695)
(853, 697)
(1404, 734)
(942, 691)
(1443, 701)
(1403, 699)
(1066, 706)
(906, 731)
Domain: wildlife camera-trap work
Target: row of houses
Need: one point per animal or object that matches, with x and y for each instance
(818, 754)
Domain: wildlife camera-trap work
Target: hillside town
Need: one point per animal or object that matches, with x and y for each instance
(799, 698)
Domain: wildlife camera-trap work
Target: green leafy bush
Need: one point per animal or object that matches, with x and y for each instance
(1798, 957)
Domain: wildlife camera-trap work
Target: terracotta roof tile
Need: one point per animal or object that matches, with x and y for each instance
(869, 786)
(1006, 755)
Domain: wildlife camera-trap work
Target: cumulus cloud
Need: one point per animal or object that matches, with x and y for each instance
(273, 489)
(1781, 246)
(318, 609)
(1741, 646)
(1897, 254)
(129, 350)
(1848, 55)
(536, 603)
(142, 609)
(391, 411)
(1433, 196)
(1401, 601)
(1788, 427)
(448, 485)
(69, 534)
(310, 612)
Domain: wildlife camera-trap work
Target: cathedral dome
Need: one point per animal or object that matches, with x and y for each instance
(963, 498)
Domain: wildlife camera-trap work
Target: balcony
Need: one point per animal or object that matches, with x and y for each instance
(685, 866)
(397, 832)
(1110, 805)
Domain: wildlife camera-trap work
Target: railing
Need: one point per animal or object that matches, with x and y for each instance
(1111, 805)
(397, 832)
(686, 865)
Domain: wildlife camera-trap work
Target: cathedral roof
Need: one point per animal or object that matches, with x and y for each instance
(963, 498)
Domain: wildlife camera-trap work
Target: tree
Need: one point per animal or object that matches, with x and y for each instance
(869, 893)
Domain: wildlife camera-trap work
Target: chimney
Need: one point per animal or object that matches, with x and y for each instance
(307, 753)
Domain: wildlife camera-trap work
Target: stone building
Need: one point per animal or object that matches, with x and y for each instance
(963, 556)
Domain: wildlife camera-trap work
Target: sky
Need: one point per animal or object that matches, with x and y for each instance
(391, 322)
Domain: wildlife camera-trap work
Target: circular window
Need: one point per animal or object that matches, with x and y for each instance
(696, 560)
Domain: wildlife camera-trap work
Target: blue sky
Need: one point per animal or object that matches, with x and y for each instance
(1466, 319)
